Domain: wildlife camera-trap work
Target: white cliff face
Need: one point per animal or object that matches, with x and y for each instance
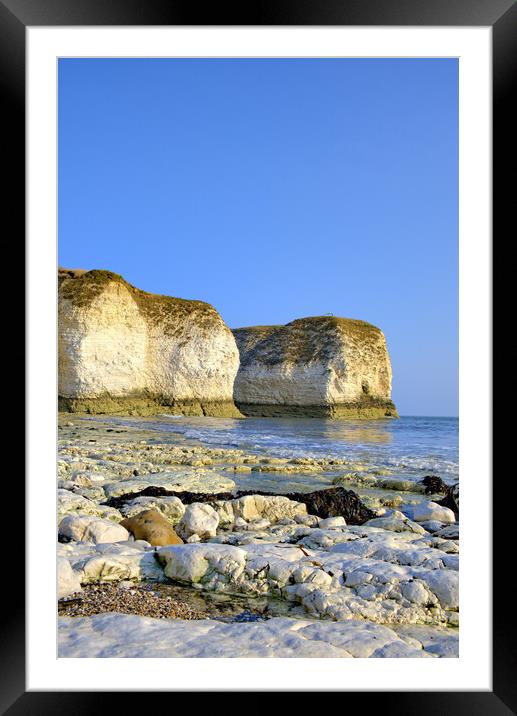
(322, 366)
(123, 349)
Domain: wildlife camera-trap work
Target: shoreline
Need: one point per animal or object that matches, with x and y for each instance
(268, 548)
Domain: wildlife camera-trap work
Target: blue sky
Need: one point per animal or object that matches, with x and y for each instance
(275, 189)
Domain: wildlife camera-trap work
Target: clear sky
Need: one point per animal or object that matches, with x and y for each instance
(275, 189)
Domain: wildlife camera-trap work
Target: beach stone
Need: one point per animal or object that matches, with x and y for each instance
(432, 525)
(259, 524)
(431, 511)
(115, 562)
(67, 580)
(171, 507)
(181, 480)
(152, 526)
(70, 503)
(396, 522)
(308, 520)
(332, 522)
(199, 518)
(415, 592)
(190, 563)
(268, 507)
(81, 479)
(444, 583)
(449, 532)
(91, 529)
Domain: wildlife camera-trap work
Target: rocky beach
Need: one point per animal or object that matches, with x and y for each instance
(167, 548)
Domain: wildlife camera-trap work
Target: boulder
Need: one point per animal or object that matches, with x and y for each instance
(67, 580)
(431, 511)
(86, 528)
(199, 519)
(153, 527)
(191, 563)
(331, 522)
(444, 583)
(171, 507)
(268, 507)
(322, 366)
(124, 350)
(71, 503)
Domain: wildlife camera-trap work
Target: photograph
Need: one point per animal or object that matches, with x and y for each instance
(257, 289)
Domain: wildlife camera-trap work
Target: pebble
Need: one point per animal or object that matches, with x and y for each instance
(125, 598)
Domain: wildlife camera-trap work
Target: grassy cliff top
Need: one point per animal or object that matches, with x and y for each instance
(81, 288)
(315, 338)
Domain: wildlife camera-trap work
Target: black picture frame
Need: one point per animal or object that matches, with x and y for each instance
(501, 15)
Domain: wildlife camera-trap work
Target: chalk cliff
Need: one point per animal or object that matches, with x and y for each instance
(122, 350)
(321, 367)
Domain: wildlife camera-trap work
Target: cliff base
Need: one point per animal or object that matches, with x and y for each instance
(144, 406)
(350, 411)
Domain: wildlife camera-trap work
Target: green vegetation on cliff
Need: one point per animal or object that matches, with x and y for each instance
(304, 340)
(81, 288)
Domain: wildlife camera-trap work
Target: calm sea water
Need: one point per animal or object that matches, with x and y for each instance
(410, 446)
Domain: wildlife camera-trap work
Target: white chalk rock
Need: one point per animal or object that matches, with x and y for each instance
(171, 507)
(431, 511)
(240, 524)
(330, 522)
(129, 635)
(323, 366)
(396, 522)
(444, 583)
(124, 349)
(182, 480)
(91, 529)
(67, 580)
(272, 508)
(191, 562)
(259, 524)
(308, 520)
(113, 562)
(70, 503)
(198, 519)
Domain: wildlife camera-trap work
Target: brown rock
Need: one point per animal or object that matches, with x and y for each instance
(153, 527)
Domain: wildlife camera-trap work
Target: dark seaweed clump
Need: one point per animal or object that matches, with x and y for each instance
(434, 485)
(332, 502)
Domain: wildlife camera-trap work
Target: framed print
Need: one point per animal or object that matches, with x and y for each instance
(271, 234)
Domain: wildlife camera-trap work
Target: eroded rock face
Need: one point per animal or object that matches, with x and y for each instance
(88, 528)
(322, 367)
(124, 350)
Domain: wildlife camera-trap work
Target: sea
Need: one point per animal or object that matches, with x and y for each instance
(409, 447)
